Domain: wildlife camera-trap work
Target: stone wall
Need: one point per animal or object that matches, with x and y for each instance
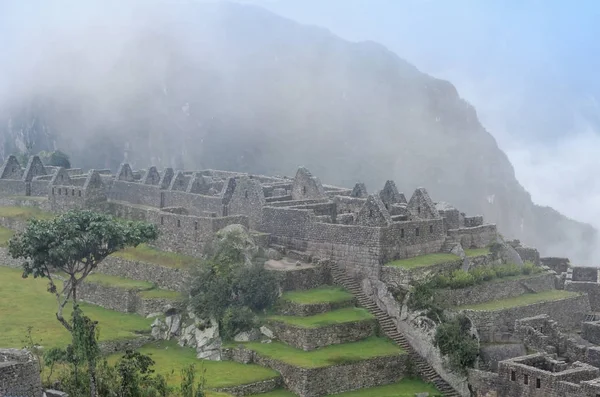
(164, 277)
(261, 387)
(475, 237)
(12, 187)
(590, 331)
(491, 354)
(411, 238)
(304, 279)
(495, 290)
(591, 288)
(19, 374)
(529, 254)
(298, 309)
(313, 338)
(108, 297)
(559, 265)
(135, 193)
(581, 273)
(109, 347)
(316, 382)
(498, 325)
(484, 383)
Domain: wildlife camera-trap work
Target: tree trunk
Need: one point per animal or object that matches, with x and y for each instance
(92, 372)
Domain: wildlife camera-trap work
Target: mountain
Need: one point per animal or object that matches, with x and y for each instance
(236, 87)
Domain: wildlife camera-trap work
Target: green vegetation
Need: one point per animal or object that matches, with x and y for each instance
(169, 357)
(118, 282)
(462, 279)
(73, 243)
(230, 286)
(325, 294)
(522, 300)
(160, 294)
(145, 253)
(327, 356)
(346, 315)
(477, 252)
(25, 213)
(424, 260)
(26, 303)
(454, 340)
(5, 236)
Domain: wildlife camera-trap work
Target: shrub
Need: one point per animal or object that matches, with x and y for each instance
(454, 341)
(507, 270)
(461, 279)
(530, 268)
(237, 319)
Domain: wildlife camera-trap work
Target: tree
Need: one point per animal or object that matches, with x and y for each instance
(73, 244)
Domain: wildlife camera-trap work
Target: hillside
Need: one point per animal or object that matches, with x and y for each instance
(236, 87)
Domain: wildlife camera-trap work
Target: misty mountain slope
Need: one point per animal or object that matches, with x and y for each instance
(236, 87)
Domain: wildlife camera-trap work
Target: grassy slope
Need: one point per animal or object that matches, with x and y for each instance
(522, 300)
(160, 294)
(171, 359)
(24, 213)
(424, 260)
(25, 302)
(330, 355)
(326, 294)
(340, 316)
(5, 235)
(145, 253)
(119, 282)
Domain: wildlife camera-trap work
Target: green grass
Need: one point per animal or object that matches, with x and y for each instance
(171, 358)
(424, 260)
(477, 252)
(119, 282)
(346, 315)
(5, 235)
(404, 388)
(160, 294)
(25, 303)
(24, 213)
(327, 356)
(145, 253)
(522, 300)
(324, 294)
(276, 393)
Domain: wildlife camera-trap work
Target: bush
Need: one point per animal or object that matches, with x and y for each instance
(237, 319)
(530, 268)
(507, 270)
(461, 279)
(455, 342)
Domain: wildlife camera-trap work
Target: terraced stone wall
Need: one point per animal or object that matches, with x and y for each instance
(396, 275)
(304, 279)
(317, 382)
(108, 297)
(495, 290)
(308, 339)
(164, 277)
(19, 374)
(499, 325)
(590, 288)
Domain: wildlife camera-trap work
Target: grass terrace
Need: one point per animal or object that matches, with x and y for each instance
(5, 235)
(118, 282)
(25, 213)
(324, 294)
(25, 302)
(146, 253)
(477, 252)
(424, 260)
(327, 356)
(346, 315)
(160, 294)
(522, 300)
(170, 359)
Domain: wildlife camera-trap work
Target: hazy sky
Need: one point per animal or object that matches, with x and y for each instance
(529, 66)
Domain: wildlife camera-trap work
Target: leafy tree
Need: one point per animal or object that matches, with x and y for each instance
(229, 287)
(73, 244)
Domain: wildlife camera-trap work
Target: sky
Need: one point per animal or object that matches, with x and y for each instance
(528, 66)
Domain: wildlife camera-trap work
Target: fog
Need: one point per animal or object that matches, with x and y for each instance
(194, 85)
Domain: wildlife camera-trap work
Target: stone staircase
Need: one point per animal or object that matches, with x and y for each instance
(387, 324)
